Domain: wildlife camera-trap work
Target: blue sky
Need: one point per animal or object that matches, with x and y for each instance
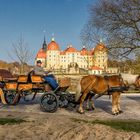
(64, 18)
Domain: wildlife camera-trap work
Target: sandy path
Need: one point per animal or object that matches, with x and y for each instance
(60, 126)
(130, 104)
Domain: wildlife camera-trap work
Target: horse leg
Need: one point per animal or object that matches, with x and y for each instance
(87, 102)
(90, 103)
(114, 103)
(118, 103)
(83, 97)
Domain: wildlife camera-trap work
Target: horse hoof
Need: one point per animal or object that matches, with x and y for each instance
(115, 114)
(81, 112)
(90, 109)
(93, 108)
(120, 111)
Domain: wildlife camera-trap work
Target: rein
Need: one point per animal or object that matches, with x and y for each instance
(113, 89)
(108, 92)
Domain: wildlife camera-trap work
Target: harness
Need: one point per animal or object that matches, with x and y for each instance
(115, 88)
(104, 93)
(107, 78)
(110, 90)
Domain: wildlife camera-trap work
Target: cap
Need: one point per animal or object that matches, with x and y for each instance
(38, 61)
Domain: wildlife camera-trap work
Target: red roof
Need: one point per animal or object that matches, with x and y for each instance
(71, 49)
(62, 52)
(84, 51)
(100, 47)
(92, 51)
(41, 54)
(53, 46)
(95, 68)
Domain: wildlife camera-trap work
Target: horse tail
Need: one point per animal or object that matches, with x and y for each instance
(78, 91)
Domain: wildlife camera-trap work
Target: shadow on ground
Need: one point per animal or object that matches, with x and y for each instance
(136, 98)
(100, 105)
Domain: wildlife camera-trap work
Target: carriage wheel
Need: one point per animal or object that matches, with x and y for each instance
(11, 97)
(49, 102)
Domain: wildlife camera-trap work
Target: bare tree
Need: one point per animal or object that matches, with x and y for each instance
(91, 35)
(22, 53)
(120, 19)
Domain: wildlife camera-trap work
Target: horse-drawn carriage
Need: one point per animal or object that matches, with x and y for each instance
(87, 87)
(15, 89)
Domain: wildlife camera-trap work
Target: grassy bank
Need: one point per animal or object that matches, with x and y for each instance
(10, 121)
(125, 125)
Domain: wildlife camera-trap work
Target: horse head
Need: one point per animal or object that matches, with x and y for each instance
(124, 83)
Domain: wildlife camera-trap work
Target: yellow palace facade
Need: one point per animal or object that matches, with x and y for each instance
(52, 57)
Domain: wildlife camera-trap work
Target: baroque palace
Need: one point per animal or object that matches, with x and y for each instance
(72, 61)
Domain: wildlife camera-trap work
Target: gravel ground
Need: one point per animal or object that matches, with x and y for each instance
(130, 104)
(59, 125)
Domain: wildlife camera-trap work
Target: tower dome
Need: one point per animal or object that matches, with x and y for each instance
(100, 47)
(53, 45)
(41, 54)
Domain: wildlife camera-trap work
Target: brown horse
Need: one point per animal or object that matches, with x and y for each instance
(93, 84)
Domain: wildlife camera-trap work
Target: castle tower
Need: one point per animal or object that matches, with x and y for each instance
(53, 55)
(101, 56)
(41, 55)
(44, 46)
(86, 58)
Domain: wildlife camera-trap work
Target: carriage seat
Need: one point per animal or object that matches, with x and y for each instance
(30, 78)
(29, 82)
(5, 82)
(34, 78)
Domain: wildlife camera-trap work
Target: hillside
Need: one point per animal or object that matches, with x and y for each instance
(14, 67)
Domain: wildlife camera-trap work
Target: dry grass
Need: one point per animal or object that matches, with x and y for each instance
(125, 125)
(11, 121)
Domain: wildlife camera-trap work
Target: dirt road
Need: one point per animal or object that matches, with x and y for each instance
(60, 125)
(130, 104)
